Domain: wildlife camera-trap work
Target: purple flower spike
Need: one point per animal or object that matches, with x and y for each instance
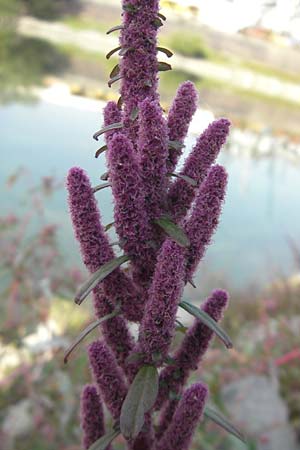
(94, 243)
(153, 152)
(157, 327)
(197, 339)
(205, 216)
(96, 251)
(89, 232)
(138, 66)
(112, 114)
(108, 377)
(92, 419)
(131, 220)
(192, 349)
(180, 115)
(187, 415)
(115, 330)
(166, 417)
(181, 194)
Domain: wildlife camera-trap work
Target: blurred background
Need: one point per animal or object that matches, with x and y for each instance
(244, 57)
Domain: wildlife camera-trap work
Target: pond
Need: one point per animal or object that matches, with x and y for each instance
(261, 211)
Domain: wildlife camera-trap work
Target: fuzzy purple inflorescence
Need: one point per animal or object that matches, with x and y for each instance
(181, 194)
(112, 114)
(153, 154)
(94, 243)
(204, 218)
(108, 377)
(191, 350)
(131, 221)
(158, 324)
(138, 66)
(92, 418)
(180, 115)
(142, 152)
(186, 417)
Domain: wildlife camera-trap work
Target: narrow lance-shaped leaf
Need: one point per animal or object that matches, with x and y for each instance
(104, 176)
(104, 441)
(162, 16)
(109, 226)
(208, 321)
(166, 51)
(115, 71)
(114, 80)
(124, 50)
(100, 150)
(140, 399)
(113, 126)
(189, 180)
(173, 230)
(223, 422)
(130, 8)
(87, 331)
(134, 113)
(99, 276)
(100, 187)
(115, 28)
(157, 22)
(163, 66)
(176, 145)
(114, 50)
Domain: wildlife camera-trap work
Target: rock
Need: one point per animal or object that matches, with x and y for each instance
(18, 422)
(254, 404)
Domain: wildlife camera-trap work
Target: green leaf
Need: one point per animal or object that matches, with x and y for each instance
(120, 102)
(113, 51)
(100, 150)
(161, 16)
(191, 282)
(157, 22)
(176, 145)
(109, 226)
(113, 126)
(116, 28)
(220, 420)
(134, 357)
(208, 321)
(124, 50)
(148, 83)
(189, 180)
(130, 8)
(87, 331)
(166, 51)
(163, 66)
(139, 399)
(114, 79)
(99, 276)
(115, 71)
(173, 230)
(134, 114)
(100, 187)
(104, 441)
(104, 176)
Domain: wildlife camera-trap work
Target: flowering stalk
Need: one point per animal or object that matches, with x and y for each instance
(92, 419)
(163, 228)
(191, 350)
(196, 166)
(187, 414)
(108, 377)
(180, 115)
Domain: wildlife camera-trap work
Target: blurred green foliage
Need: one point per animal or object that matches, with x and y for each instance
(24, 62)
(43, 9)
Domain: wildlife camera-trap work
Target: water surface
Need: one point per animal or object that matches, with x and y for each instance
(261, 210)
